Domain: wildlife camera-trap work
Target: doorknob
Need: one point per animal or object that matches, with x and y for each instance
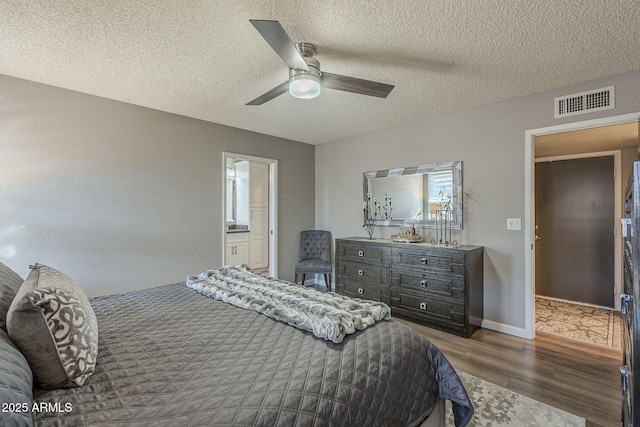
(537, 237)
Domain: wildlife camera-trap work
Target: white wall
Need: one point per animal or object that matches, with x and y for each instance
(122, 197)
(490, 141)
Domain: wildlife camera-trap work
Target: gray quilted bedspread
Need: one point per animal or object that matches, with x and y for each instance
(169, 356)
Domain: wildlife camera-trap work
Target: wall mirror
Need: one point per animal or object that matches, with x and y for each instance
(417, 192)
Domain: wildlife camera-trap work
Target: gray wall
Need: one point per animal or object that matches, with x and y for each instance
(490, 141)
(122, 197)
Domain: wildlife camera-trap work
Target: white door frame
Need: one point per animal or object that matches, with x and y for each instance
(529, 171)
(273, 206)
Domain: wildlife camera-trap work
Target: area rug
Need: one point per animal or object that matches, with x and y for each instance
(496, 406)
(585, 323)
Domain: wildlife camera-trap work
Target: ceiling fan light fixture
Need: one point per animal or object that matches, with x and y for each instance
(304, 86)
(304, 69)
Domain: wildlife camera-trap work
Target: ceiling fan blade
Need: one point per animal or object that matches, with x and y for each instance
(278, 39)
(276, 91)
(352, 84)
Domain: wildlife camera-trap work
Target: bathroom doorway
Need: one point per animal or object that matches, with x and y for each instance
(250, 214)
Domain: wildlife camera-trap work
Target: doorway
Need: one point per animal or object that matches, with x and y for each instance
(529, 244)
(574, 223)
(250, 214)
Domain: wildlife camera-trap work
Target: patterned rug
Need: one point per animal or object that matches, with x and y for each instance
(496, 406)
(586, 323)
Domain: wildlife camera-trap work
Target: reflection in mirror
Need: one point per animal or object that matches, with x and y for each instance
(417, 192)
(237, 203)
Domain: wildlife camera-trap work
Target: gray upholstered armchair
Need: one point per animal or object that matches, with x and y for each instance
(315, 255)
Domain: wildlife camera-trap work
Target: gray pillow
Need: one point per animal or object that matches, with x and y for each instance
(16, 384)
(10, 282)
(52, 323)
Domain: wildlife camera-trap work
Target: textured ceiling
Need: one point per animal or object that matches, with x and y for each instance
(204, 59)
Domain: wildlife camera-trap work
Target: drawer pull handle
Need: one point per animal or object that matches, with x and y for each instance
(360, 291)
(423, 306)
(360, 273)
(424, 261)
(423, 283)
(360, 253)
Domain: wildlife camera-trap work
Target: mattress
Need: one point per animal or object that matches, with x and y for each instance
(169, 356)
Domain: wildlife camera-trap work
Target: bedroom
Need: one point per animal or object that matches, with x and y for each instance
(125, 197)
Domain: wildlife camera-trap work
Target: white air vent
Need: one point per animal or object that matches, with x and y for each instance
(585, 102)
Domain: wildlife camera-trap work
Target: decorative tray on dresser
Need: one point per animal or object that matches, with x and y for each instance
(438, 286)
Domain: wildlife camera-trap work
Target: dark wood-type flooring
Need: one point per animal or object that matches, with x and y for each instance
(578, 378)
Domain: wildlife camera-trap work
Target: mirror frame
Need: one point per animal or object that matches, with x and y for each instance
(456, 208)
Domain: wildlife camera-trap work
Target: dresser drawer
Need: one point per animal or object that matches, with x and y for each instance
(363, 252)
(364, 273)
(428, 308)
(356, 289)
(441, 287)
(449, 261)
(445, 285)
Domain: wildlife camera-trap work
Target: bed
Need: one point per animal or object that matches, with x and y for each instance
(173, 356)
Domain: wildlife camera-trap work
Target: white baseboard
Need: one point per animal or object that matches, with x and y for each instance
(506, 329)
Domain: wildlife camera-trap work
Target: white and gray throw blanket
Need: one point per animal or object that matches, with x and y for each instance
(327, 315)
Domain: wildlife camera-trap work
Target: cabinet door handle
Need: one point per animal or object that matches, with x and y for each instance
(360, 273)
(423, 283)
(624, 300)
(360, 253)
(624, 376)
(360, 291)
(626, 222)
(424, 261)
(423, 306)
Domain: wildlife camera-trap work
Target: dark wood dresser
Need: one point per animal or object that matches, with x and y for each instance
(437, 286)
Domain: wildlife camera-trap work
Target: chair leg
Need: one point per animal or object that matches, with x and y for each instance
(295, 279)
(327, 281)
(303, 276)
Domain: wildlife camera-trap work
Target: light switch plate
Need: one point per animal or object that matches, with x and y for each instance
(514, 224)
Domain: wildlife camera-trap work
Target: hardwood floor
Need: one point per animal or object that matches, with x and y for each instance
(578, 378)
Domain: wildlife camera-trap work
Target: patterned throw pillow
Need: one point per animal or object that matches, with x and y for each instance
(10, 282)
(52, 323)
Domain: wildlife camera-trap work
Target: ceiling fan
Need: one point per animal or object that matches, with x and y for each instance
(305, 77)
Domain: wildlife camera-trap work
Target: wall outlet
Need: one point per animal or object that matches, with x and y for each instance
(514, 224)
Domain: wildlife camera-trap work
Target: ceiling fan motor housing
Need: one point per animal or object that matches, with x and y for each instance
(307, 50)
(314, 69)
(303, 83)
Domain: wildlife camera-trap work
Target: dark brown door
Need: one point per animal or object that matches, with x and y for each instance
(575, 223)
